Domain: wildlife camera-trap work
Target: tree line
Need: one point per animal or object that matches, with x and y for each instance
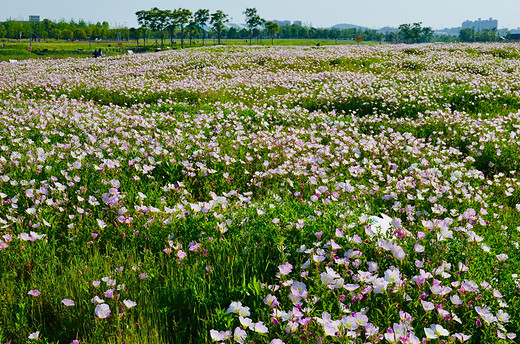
(48, 30)
(470, 35)
(182, 24)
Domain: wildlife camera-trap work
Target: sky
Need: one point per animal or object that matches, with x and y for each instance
(318, 13)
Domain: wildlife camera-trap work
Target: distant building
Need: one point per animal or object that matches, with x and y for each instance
(297, 22)
(282, 22)
(514, 37)
(34, 19)
(480, 25)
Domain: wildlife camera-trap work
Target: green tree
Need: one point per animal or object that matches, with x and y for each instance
(272, 28)
(55, 33)
(13, 28)
(426, 34)
(201, 18)
(157, 22)
(414, 33)
(125, 33)
(67, 34)
(252, 20)
(405, 32)
(467, 35)
(192, 30)
(162, 19)
(335, 33)
(143, 18)
(80, 33)
(96, 32)
(104, 29)
(183, 18)
(171, 23)
(44, 35)
(3, 31)
(47, 25)
(82, 24)
(232, 33)
(391, 37)
(486, 35)
(135, 34)
(218, 19)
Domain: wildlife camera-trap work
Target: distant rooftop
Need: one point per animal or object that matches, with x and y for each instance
(480, 25)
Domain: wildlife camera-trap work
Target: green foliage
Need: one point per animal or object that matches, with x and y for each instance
(3, 31)
(217, 20)
(272, 29)
(415, 33)
(253, 20)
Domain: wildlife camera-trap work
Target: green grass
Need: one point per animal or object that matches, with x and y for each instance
(60, 49)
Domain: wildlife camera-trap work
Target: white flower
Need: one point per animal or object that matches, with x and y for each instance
(435, 331)
(236, 307)
(96, 299)
(220, 335)
(129, 303)
(101, 223)
(102, 311)
(502, 257)
(378, 225)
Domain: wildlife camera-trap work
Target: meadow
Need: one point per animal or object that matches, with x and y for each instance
(338, 194)
(19, 50)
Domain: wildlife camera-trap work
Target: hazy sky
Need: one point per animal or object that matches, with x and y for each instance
(319, 13)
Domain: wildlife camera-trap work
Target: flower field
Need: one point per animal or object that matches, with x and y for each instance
(341, 194)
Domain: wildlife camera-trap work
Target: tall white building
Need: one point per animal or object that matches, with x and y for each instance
(480, 25)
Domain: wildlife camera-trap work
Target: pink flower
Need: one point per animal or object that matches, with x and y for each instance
(68, 302)
(194, 247)
(428, 306)
(34, 292)
(461, 337)
(285, 269)
(271, 301)
(181, 254)
(277, 341)
(455, 299)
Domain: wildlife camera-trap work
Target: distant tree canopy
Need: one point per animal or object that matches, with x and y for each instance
(470, 35)
(47, 29)
(253, 20)
(415, 33)
(157, 22)
(200, 18)
(217, 20)
(181, 23)
(3, 31)
(272, 28)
